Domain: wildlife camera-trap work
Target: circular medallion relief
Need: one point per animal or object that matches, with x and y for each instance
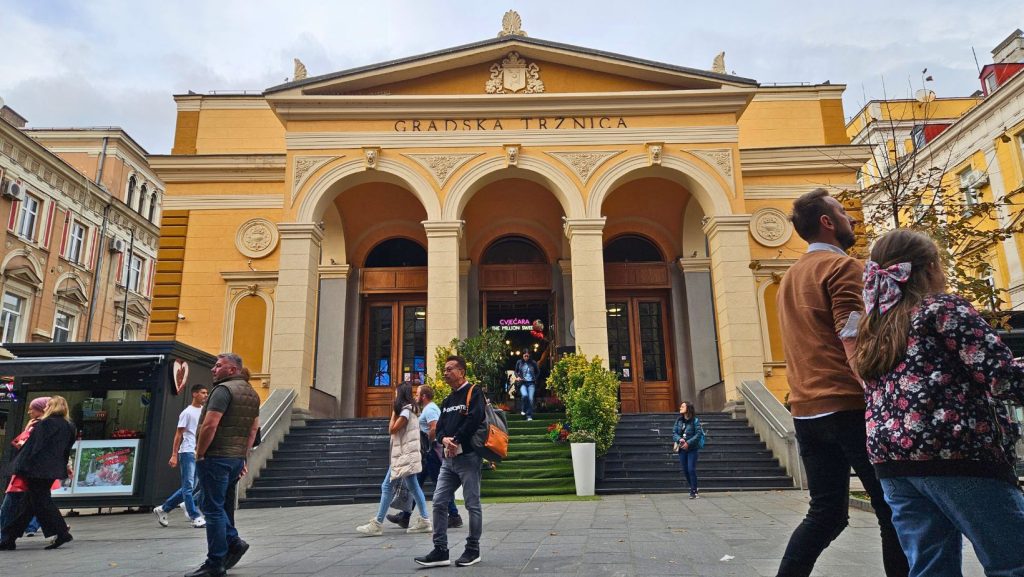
(256, 238)
(771, 227)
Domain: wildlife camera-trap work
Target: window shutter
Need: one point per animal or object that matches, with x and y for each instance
(48, 236)
(13, 220)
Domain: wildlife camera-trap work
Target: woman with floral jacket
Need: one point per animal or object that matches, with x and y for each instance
(939, 436)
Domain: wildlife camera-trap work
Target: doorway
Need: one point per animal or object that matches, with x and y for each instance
(639, 351)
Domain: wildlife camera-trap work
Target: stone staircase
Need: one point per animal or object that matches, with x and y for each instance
(734, 459)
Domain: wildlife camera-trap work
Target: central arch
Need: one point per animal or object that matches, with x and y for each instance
(527, 168)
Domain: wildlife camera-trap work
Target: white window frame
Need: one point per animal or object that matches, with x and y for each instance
(990, 83)
(76, 244)
(68, 327)
(130, 283)
(27, 215)
(128, 329)
(971, 194)
(9, 334)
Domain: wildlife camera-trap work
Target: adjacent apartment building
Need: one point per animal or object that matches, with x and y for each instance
(82, 209)
(970, 149)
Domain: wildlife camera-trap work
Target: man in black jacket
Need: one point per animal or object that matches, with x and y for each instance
(460, 419)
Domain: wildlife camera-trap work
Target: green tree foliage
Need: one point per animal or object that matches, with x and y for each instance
(485, 361)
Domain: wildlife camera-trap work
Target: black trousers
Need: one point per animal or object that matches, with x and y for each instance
(37, 503)
(829, 447)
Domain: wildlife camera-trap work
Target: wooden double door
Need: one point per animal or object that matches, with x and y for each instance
(394, 350)
(640, 351)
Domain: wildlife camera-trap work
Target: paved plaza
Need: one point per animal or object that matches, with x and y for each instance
(628, 535)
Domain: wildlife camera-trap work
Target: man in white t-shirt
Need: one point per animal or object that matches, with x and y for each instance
(183, 456)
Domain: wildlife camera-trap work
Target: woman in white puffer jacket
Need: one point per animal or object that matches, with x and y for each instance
(405, 464)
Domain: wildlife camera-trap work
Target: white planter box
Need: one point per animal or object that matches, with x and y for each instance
(583, 461)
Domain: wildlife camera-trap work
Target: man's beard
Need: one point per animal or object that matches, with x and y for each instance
(846, 240)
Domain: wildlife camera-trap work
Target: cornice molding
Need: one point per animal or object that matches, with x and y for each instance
(584, 226)
(249, 276)
(694, 264)
(818, 92)
(222, 202)
(497, 138)
(803, 159)
(330, 107)
(443, 228)
(341, 271)
(788, 191)
(734, 223)
(300, 231)
(220, 167)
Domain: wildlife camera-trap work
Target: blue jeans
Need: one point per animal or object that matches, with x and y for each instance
(933, 514)
(216, 475)
(187, 466)
(688, 464)
(526, 391)
(387, 491)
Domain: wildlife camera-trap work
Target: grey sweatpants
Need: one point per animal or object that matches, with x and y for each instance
(465, 470)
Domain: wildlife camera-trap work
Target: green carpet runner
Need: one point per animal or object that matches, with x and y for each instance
(535, 465)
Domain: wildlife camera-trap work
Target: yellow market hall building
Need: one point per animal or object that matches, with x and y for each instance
(335, 230)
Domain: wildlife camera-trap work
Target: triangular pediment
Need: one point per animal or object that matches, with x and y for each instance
(479, 68)
(73, 293)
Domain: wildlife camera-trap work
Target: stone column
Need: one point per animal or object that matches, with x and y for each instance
(464, 301)
(330, 332)
(588, 298)
(291, 356)
(700, 320)
(1014, 272)
(442, 283)
(565, 265)
(739, 327)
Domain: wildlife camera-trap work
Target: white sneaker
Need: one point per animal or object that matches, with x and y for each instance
(184, 511)
(529, 418)
(199, 522)
(373, 528)
(523, 413)
(420, 525)
(161, 516)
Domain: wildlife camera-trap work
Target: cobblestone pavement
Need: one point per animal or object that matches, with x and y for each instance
(630, 535)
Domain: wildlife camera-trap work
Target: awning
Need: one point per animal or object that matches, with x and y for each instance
(55, 366)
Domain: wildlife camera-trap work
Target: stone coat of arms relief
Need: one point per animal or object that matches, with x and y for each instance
(513, 75)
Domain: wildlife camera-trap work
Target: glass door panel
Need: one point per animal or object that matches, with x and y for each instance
(379, 346)
(414, 342)
(652, 341)
(619, 349)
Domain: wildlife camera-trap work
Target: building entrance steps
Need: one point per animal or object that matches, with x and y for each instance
(535, 465)
(734, 459)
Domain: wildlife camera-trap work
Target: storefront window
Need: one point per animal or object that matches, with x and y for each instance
(110, 425)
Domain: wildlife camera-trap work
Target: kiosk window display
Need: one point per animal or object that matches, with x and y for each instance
(124, 400)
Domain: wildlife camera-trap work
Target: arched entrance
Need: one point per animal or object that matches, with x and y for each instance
(639, 327)
(393, 284)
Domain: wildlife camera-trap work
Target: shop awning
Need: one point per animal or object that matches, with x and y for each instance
(54, 366)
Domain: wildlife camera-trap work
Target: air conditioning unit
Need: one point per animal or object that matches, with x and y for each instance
(974, 179)
(117, 245)
(14, 189)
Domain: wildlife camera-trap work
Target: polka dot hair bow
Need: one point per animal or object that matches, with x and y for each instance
(882, 285)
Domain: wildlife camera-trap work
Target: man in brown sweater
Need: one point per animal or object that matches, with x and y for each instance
(819, 304)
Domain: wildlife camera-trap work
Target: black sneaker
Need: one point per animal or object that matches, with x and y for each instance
(207, 570)
(235, 552)
(469, 557)
(454, 521)
(399, 519)
(436, 558)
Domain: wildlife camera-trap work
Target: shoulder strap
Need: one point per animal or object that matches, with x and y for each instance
(469, 395)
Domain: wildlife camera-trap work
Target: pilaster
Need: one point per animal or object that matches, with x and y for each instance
(588, 293)
(443, 282)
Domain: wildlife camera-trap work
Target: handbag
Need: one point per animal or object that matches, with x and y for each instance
(490, 441)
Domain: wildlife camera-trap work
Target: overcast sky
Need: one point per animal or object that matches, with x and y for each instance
(117, 63)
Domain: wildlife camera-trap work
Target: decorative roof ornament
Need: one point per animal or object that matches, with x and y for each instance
(718, 66)
(511, 25)
(300, 70)
(514, 74)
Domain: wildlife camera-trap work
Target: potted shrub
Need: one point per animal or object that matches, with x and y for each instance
(589, 392)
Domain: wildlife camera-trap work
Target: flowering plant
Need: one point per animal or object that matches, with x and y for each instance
(558, 432)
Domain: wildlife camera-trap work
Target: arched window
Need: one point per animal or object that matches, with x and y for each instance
(142, 199)
(130, 195)
(397, 252)
(152, 205)
(513, 250)
(632, 248)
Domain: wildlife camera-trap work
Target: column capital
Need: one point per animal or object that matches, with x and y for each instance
(566, 265)
(694, 264)
(727, 223)
(334, 271)
(585, 226)
(300, 230)
(443, 228)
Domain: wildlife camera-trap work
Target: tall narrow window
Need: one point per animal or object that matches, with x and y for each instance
(10, 317)
(129, 196)
(142, 199)
(63, 324)
(968, 186)
(28, 217)
(134, 273)
(152, 206)
(76, 242)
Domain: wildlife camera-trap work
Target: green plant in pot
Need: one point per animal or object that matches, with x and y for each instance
(590, 394)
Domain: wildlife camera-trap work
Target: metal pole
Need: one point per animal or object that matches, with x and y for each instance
(127, 279)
